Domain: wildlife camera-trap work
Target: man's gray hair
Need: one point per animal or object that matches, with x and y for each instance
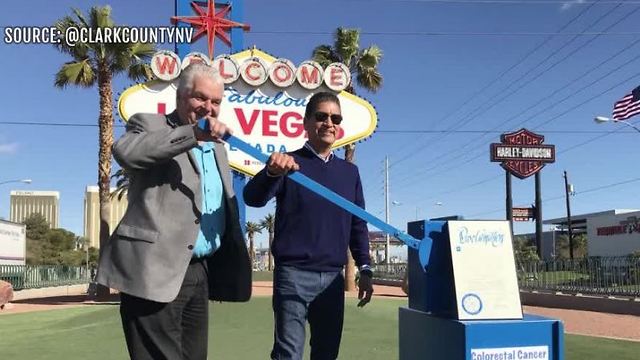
(189, 74)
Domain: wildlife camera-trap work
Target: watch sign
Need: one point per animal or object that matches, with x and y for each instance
(264, 100)
(522, 153)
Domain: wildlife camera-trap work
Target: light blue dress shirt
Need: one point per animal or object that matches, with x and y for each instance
(212, 223)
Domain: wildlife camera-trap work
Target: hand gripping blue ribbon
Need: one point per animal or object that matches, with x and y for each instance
(423, 246)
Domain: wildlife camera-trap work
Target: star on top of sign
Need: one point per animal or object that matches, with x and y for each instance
(213, 23)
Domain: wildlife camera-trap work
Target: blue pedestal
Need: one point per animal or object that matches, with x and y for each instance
(432, 290)
(427, 337)
(430, 328)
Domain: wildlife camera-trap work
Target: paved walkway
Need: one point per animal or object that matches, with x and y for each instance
(626, 327)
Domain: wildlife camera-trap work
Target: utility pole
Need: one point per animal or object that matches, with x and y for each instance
(386, 207)
(567, 191)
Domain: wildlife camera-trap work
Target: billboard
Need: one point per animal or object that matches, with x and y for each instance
(523, 213)
(13, 243)
(264, 100)
(615, 234)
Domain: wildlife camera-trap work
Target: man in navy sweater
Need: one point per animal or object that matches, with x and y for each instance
(311, 237)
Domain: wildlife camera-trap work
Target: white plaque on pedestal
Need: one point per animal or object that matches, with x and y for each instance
(484, 270)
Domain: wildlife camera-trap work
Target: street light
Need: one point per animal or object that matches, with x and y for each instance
(387, 237)
(604, 119)
(26, 181)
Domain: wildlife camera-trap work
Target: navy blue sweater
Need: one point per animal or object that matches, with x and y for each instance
(310, 232)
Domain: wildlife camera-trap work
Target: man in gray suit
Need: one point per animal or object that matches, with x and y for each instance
(179, 243)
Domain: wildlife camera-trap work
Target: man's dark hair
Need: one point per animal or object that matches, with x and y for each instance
(316, 100)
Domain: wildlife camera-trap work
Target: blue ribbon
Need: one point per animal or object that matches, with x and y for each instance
(423, 246)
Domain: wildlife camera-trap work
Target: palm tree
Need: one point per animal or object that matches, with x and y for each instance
(363, 64)
(269, 223)
(252, 228)
(122, 184)
(96, 64)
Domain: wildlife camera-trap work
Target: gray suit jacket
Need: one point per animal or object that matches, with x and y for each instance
(148, 253)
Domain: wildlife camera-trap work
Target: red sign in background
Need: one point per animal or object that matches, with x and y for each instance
(524, 167)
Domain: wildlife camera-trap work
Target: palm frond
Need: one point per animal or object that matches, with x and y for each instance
(119, 192)
(370, 57)
(119, 56)
(76, 73)
(324, 55)
(122, 183)
(78, 51)
(80, 17)
(140, 72)
(366, 66)
(142, 52)
(268, 222)
(347, 44)
(132, 58)
(370, 80)
(120, 176)
(253, 227)
(100, 17)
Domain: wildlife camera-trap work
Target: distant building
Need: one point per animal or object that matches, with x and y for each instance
(379, 238)
(24, 203)
(609, 233)
(92, 214)
(378, 243)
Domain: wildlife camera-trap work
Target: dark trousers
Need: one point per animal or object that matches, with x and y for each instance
(300, 296)
(173, 331)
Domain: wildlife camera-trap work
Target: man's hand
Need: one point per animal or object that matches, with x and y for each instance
(280, 164)
(365, 288)
(214, 132)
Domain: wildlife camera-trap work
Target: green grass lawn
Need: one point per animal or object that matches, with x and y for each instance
(262, 276)
(553, 277)
(238, 331)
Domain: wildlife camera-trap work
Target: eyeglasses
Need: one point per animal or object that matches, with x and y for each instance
(322, 116)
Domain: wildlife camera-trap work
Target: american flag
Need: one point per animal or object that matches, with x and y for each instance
(628, 106)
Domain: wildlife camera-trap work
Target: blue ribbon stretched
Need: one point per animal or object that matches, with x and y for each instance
(423, 246)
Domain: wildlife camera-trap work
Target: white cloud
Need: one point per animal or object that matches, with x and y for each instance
(8, 148)
(569, 4)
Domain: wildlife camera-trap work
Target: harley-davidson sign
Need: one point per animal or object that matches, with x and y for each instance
(522, 153)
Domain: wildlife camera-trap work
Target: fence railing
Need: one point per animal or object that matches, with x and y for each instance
(607, 276)
(40, 276)
(389, 272)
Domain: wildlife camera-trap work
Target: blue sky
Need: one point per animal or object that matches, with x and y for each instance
(464, 66)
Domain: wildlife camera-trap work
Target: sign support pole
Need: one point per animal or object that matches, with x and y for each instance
(522, 153)
(538, 216)
(509, 205)
(237, 45)
(183, 8)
